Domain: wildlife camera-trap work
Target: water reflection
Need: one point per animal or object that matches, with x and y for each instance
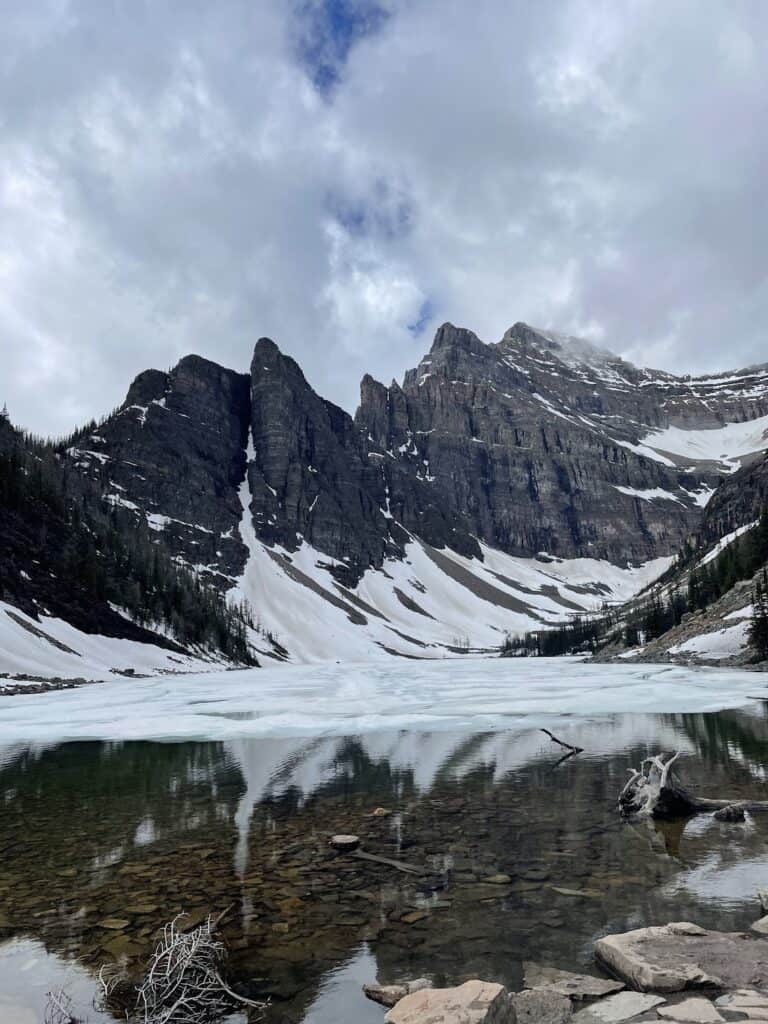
(525, 858)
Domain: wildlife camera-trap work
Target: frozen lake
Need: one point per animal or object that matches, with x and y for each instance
(126, 802)
(340, 699)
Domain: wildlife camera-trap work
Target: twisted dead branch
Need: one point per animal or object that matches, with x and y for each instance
(59, 1008)
(562, 743)
(654, 791)
(183, 983)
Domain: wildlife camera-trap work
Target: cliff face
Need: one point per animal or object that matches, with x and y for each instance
(417, 519)
(539, 444)
(309, 476)
(535, 444)
(174, 452)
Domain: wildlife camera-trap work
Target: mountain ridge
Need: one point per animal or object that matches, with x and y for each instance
(496, 487)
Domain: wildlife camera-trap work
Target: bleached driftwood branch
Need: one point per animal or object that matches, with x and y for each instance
(654, 791)
(183, 983)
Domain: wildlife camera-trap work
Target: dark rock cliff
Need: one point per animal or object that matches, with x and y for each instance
(535, 444)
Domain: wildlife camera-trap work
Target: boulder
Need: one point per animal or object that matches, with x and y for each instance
(760, 926)
(565, 983)
(537, 1006)
(474, 1002)
(675, 957)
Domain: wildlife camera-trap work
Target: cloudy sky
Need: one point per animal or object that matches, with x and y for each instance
(344, 175)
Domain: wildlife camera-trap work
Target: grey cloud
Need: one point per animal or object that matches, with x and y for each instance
(171, 180)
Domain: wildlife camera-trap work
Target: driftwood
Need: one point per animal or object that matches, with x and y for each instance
(561, 743)
(654, 791)
(59, 1008)
(183, 983)
(409, 869)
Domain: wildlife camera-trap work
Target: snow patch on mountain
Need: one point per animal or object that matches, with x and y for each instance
(723, 543)
(723, 643)
(431, 604)
(650, 494)
(726, 445)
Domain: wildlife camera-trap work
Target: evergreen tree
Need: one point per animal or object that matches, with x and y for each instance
(758, 627)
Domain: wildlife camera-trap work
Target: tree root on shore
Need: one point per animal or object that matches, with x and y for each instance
(654, 791)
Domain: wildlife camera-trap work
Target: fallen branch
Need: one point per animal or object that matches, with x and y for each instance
(59, 1009)
(568, 746)
(411, 869)
(654, 791)
(183, 983)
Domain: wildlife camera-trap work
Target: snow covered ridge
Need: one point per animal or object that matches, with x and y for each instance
(51, 648)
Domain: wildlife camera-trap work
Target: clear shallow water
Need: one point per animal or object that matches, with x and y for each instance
(98, 830)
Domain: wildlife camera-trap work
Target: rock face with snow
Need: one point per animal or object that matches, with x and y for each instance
(175, 453)
(533, 444)
(540, 444)
(485, 456)
(309, 476)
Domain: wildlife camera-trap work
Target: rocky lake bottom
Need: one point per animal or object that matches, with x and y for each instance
(516, 854)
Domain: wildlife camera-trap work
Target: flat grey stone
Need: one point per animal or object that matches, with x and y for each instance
(539, 1007)
(620, 1007)
(691, 1011)
(675, 957)
(566, 983)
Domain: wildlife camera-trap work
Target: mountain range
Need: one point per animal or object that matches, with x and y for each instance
(498, 488)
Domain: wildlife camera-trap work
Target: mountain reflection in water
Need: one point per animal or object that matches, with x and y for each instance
(525, 858)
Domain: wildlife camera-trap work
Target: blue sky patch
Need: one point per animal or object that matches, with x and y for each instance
(328, 30)
(426, 312)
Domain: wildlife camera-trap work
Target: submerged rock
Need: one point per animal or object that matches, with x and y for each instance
(474, 1002)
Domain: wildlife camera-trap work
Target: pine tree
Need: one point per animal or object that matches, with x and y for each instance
(758, 627)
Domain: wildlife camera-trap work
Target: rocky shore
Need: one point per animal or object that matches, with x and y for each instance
(678, 972)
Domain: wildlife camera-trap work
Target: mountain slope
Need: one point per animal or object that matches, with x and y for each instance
(499, 488)
(81, 581)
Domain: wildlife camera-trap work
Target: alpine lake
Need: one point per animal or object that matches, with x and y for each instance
(516, 853)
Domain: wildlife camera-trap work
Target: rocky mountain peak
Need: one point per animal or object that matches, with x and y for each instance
(565, 347)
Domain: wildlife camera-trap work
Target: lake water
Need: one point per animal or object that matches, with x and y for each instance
(524, 854)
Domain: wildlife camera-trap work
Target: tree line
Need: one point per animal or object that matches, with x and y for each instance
(57, 526)
(649, 617)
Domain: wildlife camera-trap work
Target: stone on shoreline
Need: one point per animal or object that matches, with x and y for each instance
(679, 956)
(618, 1008)
(474, 1002)
(691, 1011)
(538, 1006)
(389, 995)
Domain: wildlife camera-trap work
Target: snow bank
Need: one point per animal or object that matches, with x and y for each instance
(52, 647)
(431, 604)
(725, 445)
(723, 543)
(724, 643)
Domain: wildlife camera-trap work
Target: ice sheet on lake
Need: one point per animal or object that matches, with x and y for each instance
(351, 699)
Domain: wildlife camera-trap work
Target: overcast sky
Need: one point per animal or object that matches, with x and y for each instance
(344, 175)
